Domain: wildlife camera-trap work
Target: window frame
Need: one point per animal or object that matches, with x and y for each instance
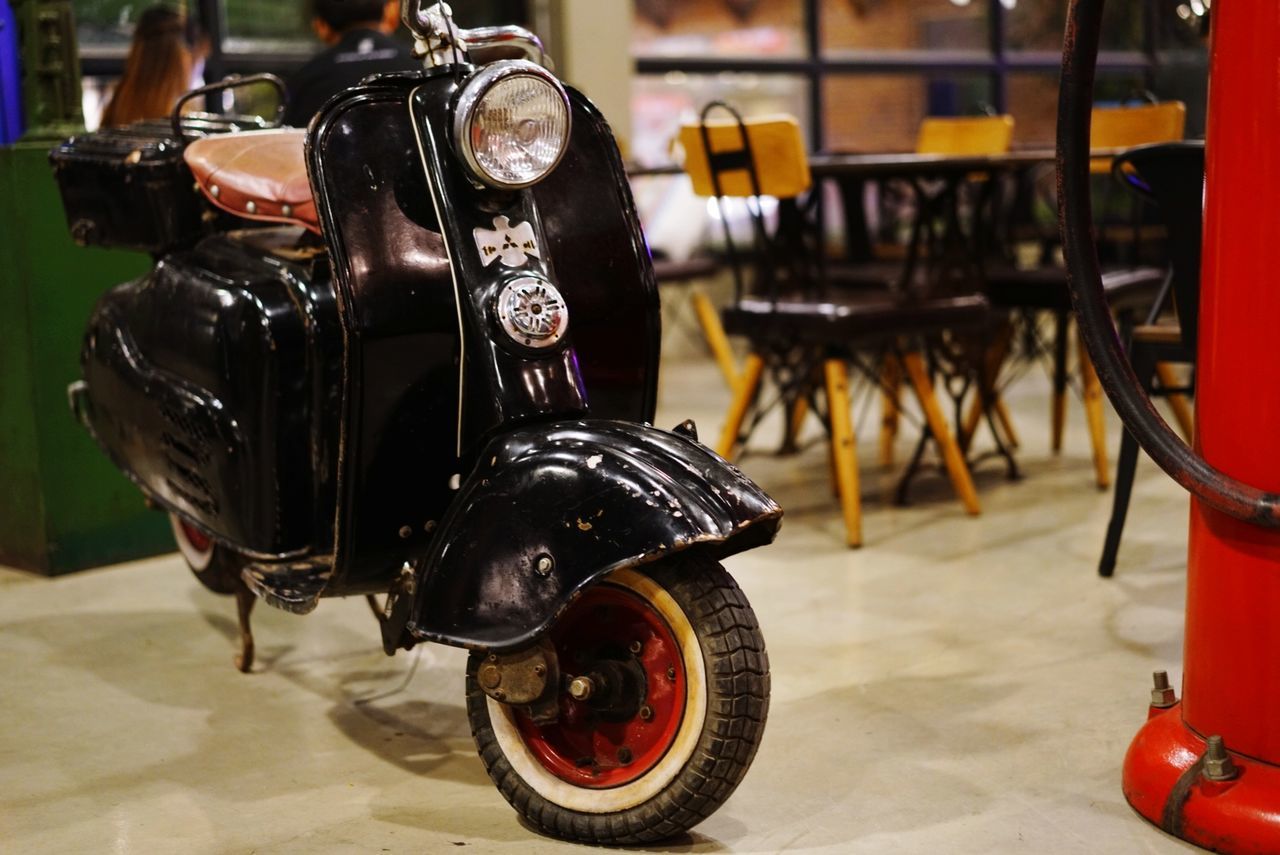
(998, 61)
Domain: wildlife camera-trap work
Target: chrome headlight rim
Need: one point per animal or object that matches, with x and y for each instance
(474, 91)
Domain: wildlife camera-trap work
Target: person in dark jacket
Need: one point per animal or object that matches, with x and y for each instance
(358, 33)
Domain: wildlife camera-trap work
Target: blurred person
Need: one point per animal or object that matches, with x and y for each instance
(157, 72)
(358, 33)
(201, 47)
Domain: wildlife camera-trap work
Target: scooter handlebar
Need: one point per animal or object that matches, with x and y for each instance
(440, 41)
(1075, 210)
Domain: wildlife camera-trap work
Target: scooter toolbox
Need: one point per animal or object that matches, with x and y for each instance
(203, 381)
(129, 188)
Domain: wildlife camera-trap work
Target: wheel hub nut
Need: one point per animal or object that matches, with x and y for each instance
(581, 688)
(490, 676)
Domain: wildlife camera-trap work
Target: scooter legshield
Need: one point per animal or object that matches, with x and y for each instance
(550, 509)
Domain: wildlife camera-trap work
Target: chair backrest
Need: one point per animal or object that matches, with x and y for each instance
(1126, 127)
(772, 144)
(1172, 176)
(965, 135)
(749, 158)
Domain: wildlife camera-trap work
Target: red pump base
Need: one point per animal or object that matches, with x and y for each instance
(1237, 816)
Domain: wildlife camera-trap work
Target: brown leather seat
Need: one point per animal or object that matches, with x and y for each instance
(258, 175)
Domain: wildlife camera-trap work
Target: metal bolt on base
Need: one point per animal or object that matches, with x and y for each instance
(1218, 765)
(1162, 696)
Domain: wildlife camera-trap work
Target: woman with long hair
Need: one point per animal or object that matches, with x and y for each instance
(157, 72)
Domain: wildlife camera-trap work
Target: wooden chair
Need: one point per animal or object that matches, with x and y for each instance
(771, 138)
(960, 135)
(801, 336)
(1045, 288)
(1172, 175)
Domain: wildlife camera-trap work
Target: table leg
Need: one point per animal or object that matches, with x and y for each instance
(957, 469)
(1177, 401)
(1097, 420)
(890, 412)
(1060, 331)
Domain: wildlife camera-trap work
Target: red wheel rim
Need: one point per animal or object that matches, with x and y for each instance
(199, 541)
(583, 747)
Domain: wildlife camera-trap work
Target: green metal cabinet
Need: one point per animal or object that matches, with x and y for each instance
(63, 506)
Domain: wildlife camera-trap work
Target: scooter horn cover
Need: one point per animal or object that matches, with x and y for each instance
(551, 508)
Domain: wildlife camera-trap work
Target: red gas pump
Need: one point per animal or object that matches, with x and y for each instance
(1208, 769)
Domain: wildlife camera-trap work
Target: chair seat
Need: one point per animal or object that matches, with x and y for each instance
(864, 275)
(667, 271)
(257, 175)
(1166, 334)
(864, 316)
(1046, 287)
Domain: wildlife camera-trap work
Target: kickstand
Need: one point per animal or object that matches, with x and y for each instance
(245, 599)
(393, 616)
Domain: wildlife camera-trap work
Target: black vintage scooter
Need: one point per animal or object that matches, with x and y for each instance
(413, 352)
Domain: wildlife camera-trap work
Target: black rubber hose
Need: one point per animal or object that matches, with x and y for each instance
(1075, 211)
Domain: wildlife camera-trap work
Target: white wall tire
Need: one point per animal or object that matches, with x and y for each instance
(724, 690)
(215, 566)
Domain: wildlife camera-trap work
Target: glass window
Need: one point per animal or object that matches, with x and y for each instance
(256, 27)
(1182, 46)
(491, 13)
(285, 27)
(676, 221)
(759, 29)
(1033, 102)
(1182, 26)
(868, 112)
(660, 104)
(931, 25)
(1038, 25)
(106, 26)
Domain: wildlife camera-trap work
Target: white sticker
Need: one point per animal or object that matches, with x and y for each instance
(512, 245)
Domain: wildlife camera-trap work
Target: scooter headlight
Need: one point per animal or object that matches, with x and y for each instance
(512, 124)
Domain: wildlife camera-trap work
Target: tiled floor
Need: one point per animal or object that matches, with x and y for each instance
(957, 686)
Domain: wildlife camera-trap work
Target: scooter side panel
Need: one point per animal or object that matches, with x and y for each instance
(550, 509)
(400, 320)
(201, 384)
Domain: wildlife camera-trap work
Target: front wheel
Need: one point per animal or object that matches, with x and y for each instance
(662, 705)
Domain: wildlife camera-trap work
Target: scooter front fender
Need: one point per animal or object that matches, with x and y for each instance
(550, 509)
